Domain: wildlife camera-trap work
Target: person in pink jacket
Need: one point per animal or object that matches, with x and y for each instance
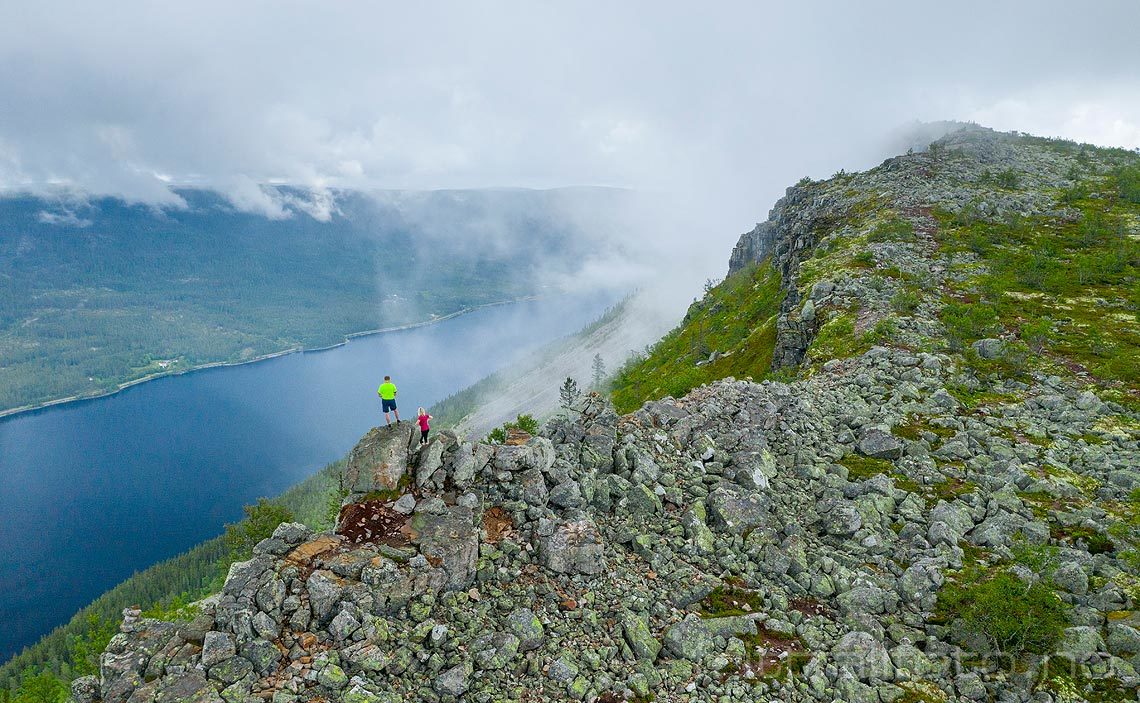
(423, 418)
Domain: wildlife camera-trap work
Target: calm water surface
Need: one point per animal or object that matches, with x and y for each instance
(91, 492)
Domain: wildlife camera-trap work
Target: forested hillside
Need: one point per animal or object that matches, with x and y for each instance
(99, 293)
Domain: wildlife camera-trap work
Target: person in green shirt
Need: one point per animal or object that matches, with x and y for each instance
(387, 393)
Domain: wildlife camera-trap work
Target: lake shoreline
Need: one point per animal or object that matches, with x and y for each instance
(4, 414)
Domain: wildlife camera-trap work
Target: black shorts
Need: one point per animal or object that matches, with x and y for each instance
(389, 405)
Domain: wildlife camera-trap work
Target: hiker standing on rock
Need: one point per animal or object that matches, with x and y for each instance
(387, 393)
(423, 418)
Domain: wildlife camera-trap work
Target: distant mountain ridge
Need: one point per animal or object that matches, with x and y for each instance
(97, 293)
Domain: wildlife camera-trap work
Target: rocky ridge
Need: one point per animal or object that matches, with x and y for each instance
(749, 541)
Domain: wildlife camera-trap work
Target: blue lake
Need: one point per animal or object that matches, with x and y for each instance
(96, 490)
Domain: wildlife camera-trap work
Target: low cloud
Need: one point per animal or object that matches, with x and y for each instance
(64, 218)
(713, 110)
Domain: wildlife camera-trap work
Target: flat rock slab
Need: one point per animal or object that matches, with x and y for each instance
(304, 554)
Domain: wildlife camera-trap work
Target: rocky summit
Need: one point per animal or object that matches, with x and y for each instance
(924, 501)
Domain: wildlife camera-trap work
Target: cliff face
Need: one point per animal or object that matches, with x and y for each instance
(942, 504)
(957, 175)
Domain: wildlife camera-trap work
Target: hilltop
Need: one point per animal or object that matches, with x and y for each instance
(892, 457)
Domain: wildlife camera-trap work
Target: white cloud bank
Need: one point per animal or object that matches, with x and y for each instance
(715, 106)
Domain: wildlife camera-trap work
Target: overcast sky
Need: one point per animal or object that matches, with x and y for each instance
(723, 107)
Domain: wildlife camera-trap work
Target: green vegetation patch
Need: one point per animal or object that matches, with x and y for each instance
(972, 397)
(860, 468)
(1003, 612)
(261, 519)
(837, 339)
(736, 319)
(1069, 683)
(916, 427)
(921, 692)
(525, 423)
(728, 599)
(894, 229)
(1068, 288)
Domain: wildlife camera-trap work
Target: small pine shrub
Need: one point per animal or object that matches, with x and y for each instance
(1011, 616)
(1008, 179)
(524, 422)
(1128, 184)
(1037, 333)
(966, 322)
(906, 301)
(260, 522)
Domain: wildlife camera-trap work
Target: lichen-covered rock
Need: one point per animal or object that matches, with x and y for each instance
(689, 639)
(453, 682)
(573, 547)
(639, 637)
(85, 689)
(525, 625)
(736, 512)
(451, 541)
(494, 650)
(863, 656)
(879, 443)
(380, 459)
(1082, 643)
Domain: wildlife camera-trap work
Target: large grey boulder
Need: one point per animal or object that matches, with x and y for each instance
(920, 582)
(537, 453)
(1123, 640)
(495, 650)
(525, 625)
(85, 689)
(380, 459)
(843, 520)
(1001, 529)
(450, 540)
(689, 639)
(461, 465)
(879, 443)
(731, 511)
(1071, 577)
(533, 485)
(864, 656)
(429, 461)
(325, 590)
(989, 348)
(453, 682)
(573, 547)
(216, 648)
(949, 522)
(639, 637)
(1081, 643)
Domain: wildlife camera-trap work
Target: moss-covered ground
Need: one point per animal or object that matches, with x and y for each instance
(1064, 287)
(736, 319)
